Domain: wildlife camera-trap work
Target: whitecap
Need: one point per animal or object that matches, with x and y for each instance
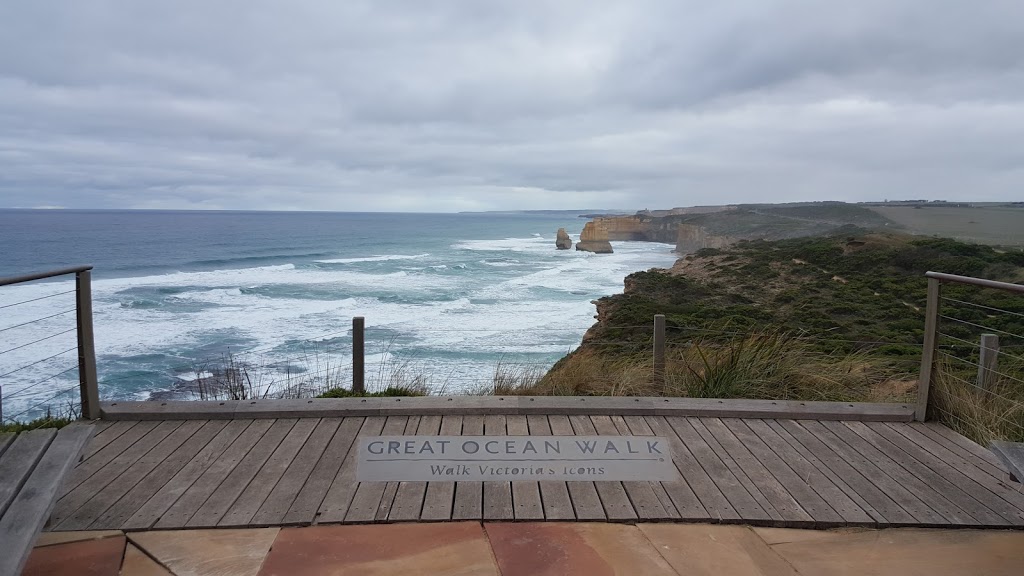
(384, 258)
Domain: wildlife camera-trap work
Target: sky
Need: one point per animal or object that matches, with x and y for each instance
(447, 105)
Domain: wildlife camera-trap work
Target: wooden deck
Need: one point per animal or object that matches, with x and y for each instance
(785, 471)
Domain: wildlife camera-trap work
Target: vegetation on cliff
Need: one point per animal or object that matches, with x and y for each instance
(839, 317)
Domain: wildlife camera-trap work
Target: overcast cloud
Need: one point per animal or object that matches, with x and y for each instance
(472, 105)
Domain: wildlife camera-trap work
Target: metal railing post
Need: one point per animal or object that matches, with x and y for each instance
(931, 328)
(88, 382)
(988, 361)
(358, 350)
(659, 348)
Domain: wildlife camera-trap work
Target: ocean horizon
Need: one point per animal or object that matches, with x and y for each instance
(446, 296)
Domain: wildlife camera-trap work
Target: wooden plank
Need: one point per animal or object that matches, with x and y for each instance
(195, 465)
(213, 508)
(873, 471)
(641, 495)
(329, 490)
(526, 502)
(849, 506)
(409, 498)
(965, 447)
(717, 488)
(892, 463)
(6, 439)
(613, 495)
(103, 499)
(505, 405)
(557, 505)
(216, 454)
(387, 499)
(586, 502)
(270, 473)
(678, 492)
(831, 457)
(280, 499)
(19, 460)
(107, 432)
(497, 495)
(782, 469)
(640, 428)
(965, 464)
(214, 473)
(767, 497)
(26, 516)
(440, 496)
(101, 458)
(74, 499)
(1011, 455)
(469, 497)
(367, 499)
(142, 491)
(913, 459)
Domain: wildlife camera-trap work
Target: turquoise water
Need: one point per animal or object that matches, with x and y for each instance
(446, 296)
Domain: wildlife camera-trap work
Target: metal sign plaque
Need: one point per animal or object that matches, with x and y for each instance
(509, 458)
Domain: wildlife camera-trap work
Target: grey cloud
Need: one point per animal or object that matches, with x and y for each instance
(462, 105)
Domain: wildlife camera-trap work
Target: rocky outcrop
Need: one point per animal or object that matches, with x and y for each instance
(562, 241)
(594, 238)
(691, 237)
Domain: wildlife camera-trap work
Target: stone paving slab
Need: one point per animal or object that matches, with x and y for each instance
(51, 538)
(556, 549)
(137, 563)
(906, 552)
(208, 552)
(711, 550)
(456, 549)
(535, 548)
(97, 557)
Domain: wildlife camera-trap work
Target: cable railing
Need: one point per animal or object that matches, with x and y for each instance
(972, 365)
(48, 319)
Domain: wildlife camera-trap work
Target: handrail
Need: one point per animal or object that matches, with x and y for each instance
(87, 380)
(42, 275)
(941, 277)
(931, 328)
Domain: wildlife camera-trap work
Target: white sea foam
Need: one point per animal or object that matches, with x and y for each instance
(385, 258)
(534, 315)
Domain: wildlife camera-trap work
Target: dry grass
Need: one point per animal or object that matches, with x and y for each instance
(981, 415)
(766, 366)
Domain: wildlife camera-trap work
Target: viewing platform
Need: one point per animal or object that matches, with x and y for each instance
(169, 465)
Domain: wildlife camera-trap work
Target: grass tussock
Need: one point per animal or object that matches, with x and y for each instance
(772, 366)
(981, 415)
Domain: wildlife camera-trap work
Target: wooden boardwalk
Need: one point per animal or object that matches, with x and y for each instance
(273, 471)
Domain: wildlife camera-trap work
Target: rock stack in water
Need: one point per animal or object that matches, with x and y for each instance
(594, 238)
(563, 242)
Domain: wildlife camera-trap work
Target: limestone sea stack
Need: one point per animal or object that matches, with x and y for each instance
(594, 238)
(563, 242)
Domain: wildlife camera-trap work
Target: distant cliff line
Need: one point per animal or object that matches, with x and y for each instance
(691, 229)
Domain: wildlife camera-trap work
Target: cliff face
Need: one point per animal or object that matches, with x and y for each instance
(639, 227)
(594, 238)
(691, 237)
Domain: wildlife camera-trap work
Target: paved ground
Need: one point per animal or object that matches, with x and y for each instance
(530, 549)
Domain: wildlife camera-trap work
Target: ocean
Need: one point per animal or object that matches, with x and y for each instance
(446, 297)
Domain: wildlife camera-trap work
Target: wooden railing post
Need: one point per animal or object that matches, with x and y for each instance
(988, 361)
(88, 382)
(358, 350)
(659, 348)
(931, 329)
